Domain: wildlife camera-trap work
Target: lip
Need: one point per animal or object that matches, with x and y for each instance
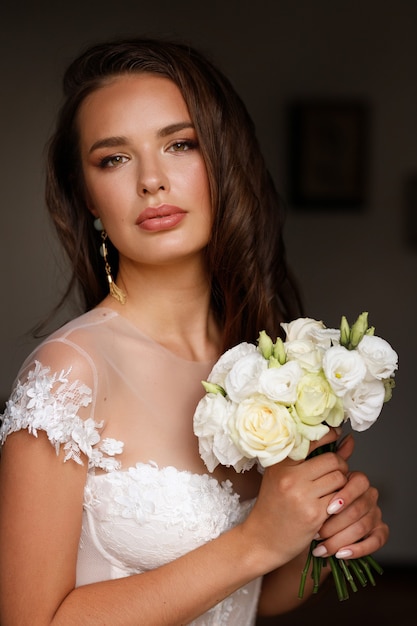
(162, 217)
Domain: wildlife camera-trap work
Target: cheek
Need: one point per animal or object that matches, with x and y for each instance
(198, 181)
(105, 194)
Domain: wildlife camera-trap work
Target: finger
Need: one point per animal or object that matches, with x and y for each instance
(373, 542)
(330, 437)
(356, 486)
(343, 547)
(346, 446)
(326, 469)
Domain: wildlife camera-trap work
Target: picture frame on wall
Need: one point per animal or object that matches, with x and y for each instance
(329, 154)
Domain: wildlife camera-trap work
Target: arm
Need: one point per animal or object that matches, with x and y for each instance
(353, 530)
(40, 522)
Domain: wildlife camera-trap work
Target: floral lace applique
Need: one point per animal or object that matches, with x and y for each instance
(49, 402)
(146, 493)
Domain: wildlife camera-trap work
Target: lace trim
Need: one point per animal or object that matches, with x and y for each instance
(50, 403)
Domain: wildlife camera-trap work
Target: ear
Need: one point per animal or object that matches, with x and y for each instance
(90, 207)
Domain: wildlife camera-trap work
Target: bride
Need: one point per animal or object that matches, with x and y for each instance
(173, 228)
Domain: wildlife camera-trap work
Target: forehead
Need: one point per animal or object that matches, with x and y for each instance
(142, 99)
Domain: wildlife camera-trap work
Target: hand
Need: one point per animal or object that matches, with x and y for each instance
(292, 503)
(354, 527)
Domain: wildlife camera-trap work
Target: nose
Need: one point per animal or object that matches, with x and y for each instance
(151, 177)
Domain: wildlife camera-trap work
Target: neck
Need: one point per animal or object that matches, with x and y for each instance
(171, 304)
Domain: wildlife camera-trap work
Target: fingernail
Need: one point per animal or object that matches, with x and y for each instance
(319, 551)
(316, 536)
(335, 506)
(345, 553)
(339, 430)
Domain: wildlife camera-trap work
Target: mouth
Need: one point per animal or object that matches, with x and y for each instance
(162, 217)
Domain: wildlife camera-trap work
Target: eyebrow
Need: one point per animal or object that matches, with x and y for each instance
(113, 142)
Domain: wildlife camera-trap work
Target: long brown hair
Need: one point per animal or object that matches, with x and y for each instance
(252, 288)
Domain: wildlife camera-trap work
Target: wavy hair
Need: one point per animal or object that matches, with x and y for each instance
(252, 287)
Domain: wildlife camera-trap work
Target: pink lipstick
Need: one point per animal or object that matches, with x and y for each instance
(163, 217)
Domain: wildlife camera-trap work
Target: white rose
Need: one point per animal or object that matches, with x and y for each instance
(309, 432)
(264, 430)
(344, 369)
(280, 383)
(301, 328)
(364, 404)
(381, 360)
(243, 379)
(227, 360)
(315, 399)
(312, 330)
(307, 354)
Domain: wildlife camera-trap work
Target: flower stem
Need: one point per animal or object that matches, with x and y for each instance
(348, 575)
(341, 569)
(339, 579)
(370, 559)
(317, 565)
(305, 570)
(357, 570)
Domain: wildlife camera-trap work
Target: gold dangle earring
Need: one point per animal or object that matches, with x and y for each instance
(115, 291)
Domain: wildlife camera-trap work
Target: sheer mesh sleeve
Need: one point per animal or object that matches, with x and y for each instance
(57, 401)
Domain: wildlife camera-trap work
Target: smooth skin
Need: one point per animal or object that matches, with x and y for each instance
(132, 162)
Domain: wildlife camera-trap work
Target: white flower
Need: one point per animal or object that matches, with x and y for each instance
(344, 369)
(280, 383)
(325, 337)
(381, 360)
(301, 328)
(307, 354)
(242, 380)
(85, 435)
(211, 427)
(309, 432)
(265, 430)
(316, 400)
(227, 360)
(261, 406)
(111, 446)
(364, 404)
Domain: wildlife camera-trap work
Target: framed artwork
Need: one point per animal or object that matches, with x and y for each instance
(328, 154)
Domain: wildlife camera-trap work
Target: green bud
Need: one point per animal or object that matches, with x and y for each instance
(265, 344)
(344, 332)
(389, 384)
(279, 351)
(273, 362)
(358, 330)
(370, 331)
(213, 388)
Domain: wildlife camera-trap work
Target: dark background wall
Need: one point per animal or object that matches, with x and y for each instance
(276, 51)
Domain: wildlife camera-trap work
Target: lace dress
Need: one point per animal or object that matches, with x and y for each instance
(140, 511)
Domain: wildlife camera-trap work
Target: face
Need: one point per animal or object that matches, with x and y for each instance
(144, 173)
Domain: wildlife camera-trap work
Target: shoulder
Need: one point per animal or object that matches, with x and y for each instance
(55, 392)
(74, 348)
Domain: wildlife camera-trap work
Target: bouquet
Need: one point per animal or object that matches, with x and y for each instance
(267, 402)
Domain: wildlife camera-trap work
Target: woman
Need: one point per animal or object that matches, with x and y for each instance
(154, 162)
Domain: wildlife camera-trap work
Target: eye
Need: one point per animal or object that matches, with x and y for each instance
(113, 161)
(183, 145)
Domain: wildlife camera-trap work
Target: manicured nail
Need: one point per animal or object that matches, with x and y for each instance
(319, 551)
(338, 430)
(316, 536)
(345, 553)
(335, 506)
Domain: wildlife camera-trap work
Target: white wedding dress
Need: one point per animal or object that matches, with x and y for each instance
(140, 510)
